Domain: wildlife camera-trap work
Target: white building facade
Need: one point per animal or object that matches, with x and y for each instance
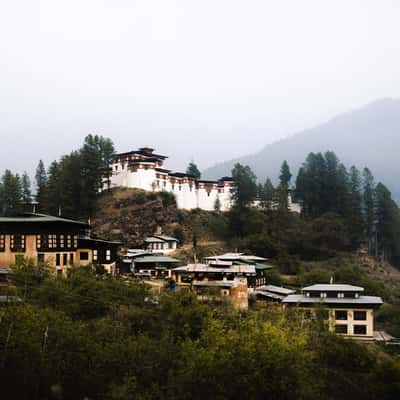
(143, 169)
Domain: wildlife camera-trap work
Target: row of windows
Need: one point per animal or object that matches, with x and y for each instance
(53, 241)
(357, 329)
(43, 242)
(342, 315)
(339, 295)
(17, 243)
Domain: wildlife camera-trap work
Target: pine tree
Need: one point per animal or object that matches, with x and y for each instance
(368, 207)
(217, 205)
(11, 193)
(193, 170)
(41, 181)
(355, 220)
(245, 185)
(26, 188)
(285, 175)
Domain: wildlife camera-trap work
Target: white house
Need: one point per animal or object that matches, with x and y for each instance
(143, 169)
(161, 244)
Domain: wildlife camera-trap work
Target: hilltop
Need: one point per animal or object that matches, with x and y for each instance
(368, 136)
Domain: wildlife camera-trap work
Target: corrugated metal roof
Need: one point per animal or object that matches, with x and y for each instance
(276, 289)
(155, 259)
(247, 269)
(153, 239)
(362, 300)
(333, 288)
(35, 218)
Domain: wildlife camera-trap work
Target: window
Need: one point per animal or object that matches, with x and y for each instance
(341, 315)
(38, 241)
(71, 258)
(75, 241)
(17, 243)
(360, 315)
(52, 241)
(58, 260)
(69, 242)
(322, 295)
(65, 259)
(342, 329)
(84, 256)
(340, 295)
(62, 241)
(108, 255)
(95, 255)
(360, 329)
(40, 258)
(2, 242)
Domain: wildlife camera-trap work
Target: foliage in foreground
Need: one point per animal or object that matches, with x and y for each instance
(176, 349)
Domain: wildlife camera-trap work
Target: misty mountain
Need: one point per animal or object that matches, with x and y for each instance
(369, 136)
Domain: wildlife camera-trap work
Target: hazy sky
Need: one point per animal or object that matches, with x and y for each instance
(208, 79)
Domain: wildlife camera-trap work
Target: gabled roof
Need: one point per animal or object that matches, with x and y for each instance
(155, 259)
(362, 300)
(276, 289)
(332, 288)
(39, 218)
(160, 239)
(235, 269)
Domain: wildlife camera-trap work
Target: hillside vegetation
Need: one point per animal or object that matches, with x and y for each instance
(96, 337)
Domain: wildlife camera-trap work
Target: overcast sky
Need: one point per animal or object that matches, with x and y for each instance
(202, 79)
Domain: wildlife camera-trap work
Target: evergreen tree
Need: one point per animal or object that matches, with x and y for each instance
(52, 194)
(368, 207)
(266, 193)
(26, 188)
(193, 170)
(217, 205)
(245, 185)
(41, 181)
(387, 216)
(11, 193)
(285, 176)
(355, 220)
(96, 155)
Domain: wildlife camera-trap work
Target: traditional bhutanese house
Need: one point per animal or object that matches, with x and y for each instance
(260, 264)
(232, 280)
(97, 251)
(349, 312)
(161, 244)
(57, 242)
(272, 293)
(126, 265)
(154, 266)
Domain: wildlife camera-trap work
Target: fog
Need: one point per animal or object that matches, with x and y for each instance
(203, 80)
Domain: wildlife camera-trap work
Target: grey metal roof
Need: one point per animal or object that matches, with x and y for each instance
(276, 289)
(236, 257)
(155, 259)
(215, 283)
(333, 288)
(5, 270)
(269, 295)
(247, 269)
(301, 299)
(153, 239)
(34, 218)
(166, 238)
